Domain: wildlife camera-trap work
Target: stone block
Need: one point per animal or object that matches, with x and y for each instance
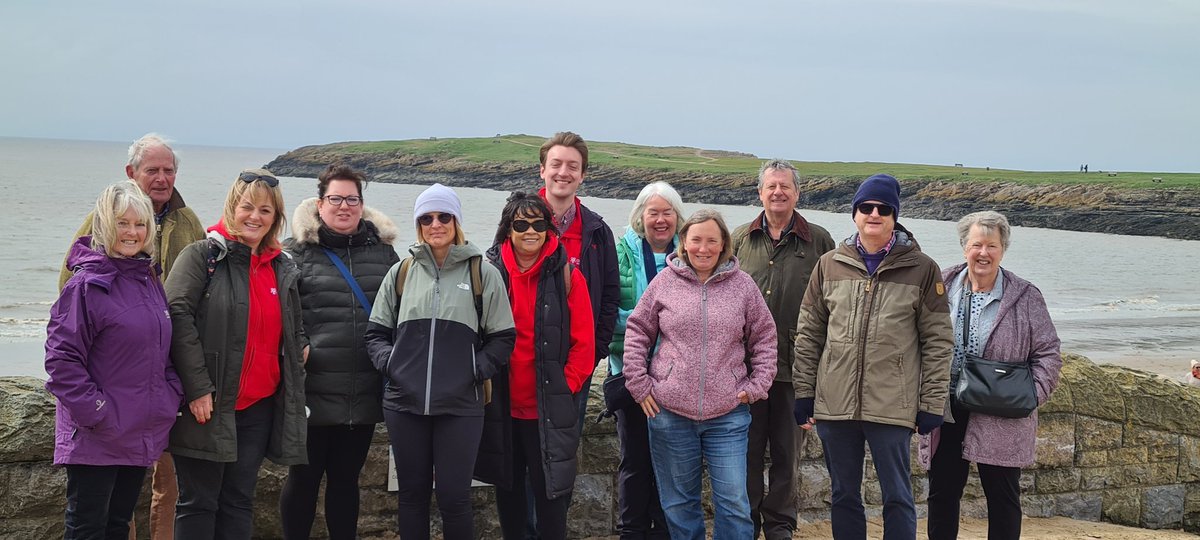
(26, 420)
(1055, 440)
(1163, 473)
(1162, 506)
(1093, 433)
(1027, 482)
(1129, 455)
(815, 491)
(1061, 401)
(1062, 480)
(591, 510)
(1093, 392)
(812, 448)
(1097, 478)
(1123, 506)
(1085, 506)
(1091, 458)
(1038, 506)
(599, 454)
(24, 528)
(32, 490)
(1137, 475)
(1189, 459)
(1165, 453)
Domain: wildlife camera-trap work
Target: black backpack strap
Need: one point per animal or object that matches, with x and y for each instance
(476, 263)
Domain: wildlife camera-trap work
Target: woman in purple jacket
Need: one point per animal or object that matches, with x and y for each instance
(1008, 321)
(107, 348)
(716, 354)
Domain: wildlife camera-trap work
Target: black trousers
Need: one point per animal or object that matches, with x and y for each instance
(948, 476)
(511, 504)
(773, 425)
(639, 514)
(425, 445)
(337, 454)
(100, 501)
(216, 500)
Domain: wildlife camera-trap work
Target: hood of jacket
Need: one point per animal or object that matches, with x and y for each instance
(102, 269)
(306, 223)
(459, 253)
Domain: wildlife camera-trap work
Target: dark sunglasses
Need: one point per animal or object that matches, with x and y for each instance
(520, 225)
(252, 177)
(427, 219)
(884, 210)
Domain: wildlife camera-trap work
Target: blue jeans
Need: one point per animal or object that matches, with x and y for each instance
(677, 445)
(843, 442)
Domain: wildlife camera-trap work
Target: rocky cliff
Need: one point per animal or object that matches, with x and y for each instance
(1171, 213)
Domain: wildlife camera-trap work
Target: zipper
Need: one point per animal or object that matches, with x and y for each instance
(868, 301)
(704, 348)
(437, 293)
(358, 333)
(474, 370)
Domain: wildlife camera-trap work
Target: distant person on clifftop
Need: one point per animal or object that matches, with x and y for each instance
(1192, 377)
(779, 249)
(997, 316)
(153, 165)
(872, 359)
(108, 361)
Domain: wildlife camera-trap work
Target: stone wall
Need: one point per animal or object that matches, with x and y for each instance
(1114, 444)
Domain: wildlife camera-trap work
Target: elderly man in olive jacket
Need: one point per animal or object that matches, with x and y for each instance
(152, 165)
(778, 249)
(872, 359)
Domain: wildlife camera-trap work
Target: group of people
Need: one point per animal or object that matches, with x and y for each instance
(200, 352)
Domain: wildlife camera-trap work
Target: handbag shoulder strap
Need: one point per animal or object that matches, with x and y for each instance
(358, 292)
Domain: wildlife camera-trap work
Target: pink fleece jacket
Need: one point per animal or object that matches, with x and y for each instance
(716, 339)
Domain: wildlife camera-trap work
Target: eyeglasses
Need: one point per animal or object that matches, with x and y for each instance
(427, 219)
(250, 177)
(520, 225)
(337, 200)
(884, 210)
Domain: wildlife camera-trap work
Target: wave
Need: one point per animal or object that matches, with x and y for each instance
(12, 305)
(14, 321)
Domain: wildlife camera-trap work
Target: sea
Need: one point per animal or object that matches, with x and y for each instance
(1118, 298)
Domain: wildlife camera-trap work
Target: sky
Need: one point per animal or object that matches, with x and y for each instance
(1021, 84)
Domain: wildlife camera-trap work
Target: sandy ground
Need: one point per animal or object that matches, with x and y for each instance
(1171, 366)
(1057, 528)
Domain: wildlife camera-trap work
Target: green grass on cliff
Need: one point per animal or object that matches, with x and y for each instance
(524, 149)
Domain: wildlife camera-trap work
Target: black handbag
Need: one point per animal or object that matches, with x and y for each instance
(616, 396)
(995, 388)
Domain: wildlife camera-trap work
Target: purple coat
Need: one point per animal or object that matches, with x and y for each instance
(107, 354)
(1023, 330)
(707, 333)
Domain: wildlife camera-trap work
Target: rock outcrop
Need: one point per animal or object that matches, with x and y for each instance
(1171, 213)
(1114, 444)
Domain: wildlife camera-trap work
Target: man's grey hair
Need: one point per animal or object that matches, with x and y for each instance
(779, 165)
(148, 141)
(989, 221)
(661, 189)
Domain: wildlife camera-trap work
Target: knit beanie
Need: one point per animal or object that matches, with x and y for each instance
(881, 187)
(438, 198)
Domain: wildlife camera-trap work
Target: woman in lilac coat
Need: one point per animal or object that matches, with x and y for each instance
(107, 348)
(716, 354)
(1008, 321)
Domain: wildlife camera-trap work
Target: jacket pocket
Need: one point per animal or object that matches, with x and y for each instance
(660, 373)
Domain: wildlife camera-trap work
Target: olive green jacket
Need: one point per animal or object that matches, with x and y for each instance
(781, 273)
(209, 320)
(179, 228)
(874, 348)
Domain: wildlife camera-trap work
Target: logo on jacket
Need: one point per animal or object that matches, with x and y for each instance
(274, 292)
(464, 286)
(100, 404)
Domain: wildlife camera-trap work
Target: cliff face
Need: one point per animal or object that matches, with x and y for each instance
(1171, 213)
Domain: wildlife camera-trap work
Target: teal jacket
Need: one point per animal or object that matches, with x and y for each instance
(631, 269)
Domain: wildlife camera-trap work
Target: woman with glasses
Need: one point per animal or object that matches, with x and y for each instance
(440, 327)
(343, 250)
(107, 357)
(239, 348)
(531, 424)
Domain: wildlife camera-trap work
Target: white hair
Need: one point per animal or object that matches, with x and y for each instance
(148, 141)
(661, 189)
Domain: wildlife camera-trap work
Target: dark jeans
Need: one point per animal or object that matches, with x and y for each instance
(639, 514)
(843, 442)
(337, 454)
(100, 500)
(216, 500)
(948, 475)
(511, 503)
(772, 424)
(422, 446)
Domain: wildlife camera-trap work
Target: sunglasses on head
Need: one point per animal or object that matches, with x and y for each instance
(884, 210)
(520, 225)
(427, 219)
(252, 177)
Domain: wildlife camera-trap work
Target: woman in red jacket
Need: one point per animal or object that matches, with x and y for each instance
(534, 406)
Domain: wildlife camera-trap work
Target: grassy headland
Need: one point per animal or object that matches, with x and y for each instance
(1139, 203)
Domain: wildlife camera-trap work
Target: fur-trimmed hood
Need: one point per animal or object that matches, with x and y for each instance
(305, 223)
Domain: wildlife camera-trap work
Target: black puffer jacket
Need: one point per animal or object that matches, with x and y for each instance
(557, 408)
(342, 387)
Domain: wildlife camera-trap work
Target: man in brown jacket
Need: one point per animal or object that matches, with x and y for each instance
(779, 249)
(872, 359)
(152, 165)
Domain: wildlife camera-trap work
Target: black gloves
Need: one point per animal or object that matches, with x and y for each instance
(927, 422)
(802, 410)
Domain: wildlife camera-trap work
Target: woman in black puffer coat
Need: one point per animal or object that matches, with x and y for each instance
(343, 390)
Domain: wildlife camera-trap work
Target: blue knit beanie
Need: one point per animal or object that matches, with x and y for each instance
(881, 187)
(438, 198)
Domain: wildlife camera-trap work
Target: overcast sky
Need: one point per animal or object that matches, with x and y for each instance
(1027, 84)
